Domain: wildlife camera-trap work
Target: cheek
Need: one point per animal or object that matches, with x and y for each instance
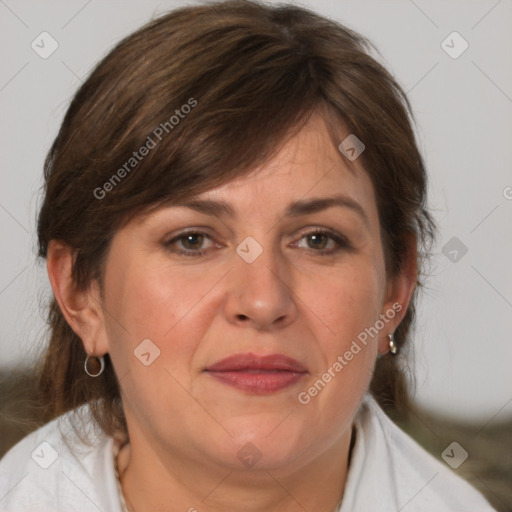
(168, 307)
(347, 300)
(333, 393)
(152, 301)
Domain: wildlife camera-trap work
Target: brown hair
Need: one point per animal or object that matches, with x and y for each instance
(251, 74)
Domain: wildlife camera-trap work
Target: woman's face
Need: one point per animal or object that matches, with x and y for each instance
(186, 289)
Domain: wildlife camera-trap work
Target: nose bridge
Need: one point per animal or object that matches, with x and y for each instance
(260, 293)
(261, 267)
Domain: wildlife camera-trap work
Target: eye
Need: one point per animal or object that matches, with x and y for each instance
(324, 242)
(320, 241)
(190, 243)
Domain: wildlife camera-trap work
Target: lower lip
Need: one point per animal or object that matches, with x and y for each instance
(258, 382)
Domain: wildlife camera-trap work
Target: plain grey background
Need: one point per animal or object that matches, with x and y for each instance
(463, 106)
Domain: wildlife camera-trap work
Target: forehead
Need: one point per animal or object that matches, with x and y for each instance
(308, 165)
(307, 174)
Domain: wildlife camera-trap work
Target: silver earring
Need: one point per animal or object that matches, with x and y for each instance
(99, 360)
(392, 345)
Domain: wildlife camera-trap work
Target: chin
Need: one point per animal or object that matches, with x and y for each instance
(262, 442)
(256, 457)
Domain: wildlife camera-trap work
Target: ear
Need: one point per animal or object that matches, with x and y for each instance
(399, 290)
(82, 309)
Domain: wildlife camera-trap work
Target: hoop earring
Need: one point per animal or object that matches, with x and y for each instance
(99, 360)
(393, 349)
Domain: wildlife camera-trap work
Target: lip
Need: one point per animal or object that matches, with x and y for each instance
(257, 374)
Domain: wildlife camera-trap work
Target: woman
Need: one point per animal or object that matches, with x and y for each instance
(234, 224)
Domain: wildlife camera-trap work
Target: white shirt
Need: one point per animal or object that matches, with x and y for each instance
(52, 470)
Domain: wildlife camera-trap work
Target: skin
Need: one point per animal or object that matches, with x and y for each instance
(185, 427)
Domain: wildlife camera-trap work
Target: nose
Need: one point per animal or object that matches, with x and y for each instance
(261, 294)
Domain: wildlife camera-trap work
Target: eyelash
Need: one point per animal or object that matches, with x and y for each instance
(340, 240)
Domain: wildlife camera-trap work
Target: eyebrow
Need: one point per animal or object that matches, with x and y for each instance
(295, 209)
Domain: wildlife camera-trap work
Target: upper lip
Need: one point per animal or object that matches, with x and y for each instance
(249, 361)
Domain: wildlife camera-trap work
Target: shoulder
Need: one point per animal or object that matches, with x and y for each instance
(393, 472)
(66, 464)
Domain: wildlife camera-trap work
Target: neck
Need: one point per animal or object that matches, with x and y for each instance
(150, 483)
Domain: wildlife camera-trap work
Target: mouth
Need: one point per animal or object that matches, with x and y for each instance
(257, 374)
